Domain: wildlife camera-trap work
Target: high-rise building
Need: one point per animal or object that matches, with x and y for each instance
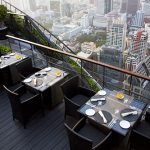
(138, 19)
(123, 6)
(103, 6)
(56, 6)
(132, 7)
(146, 7)
(132, 62)
(138, 43)
(116, 34)
(85, 21)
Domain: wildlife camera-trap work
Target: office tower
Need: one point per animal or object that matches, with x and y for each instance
(116, 34)
(146, 7)
(132, 7)
(138, 19)
(103, 6)
(138, 43)
(32, 5)
(56, 6)
(123, 6)
(85, 21)
(132, 62)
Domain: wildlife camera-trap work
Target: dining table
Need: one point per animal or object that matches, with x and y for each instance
(47, 82)
(8, 71)
(112, 112)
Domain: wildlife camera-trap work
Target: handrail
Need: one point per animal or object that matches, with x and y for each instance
(39, 25)
(83, 59)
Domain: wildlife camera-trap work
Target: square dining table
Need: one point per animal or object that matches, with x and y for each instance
(8, 72)
(113, 108)
(47, 81)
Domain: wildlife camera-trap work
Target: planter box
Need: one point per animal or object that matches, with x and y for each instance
(3, 33)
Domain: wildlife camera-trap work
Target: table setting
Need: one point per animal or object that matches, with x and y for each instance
(10, 58)
(113, 109)
(44, 78)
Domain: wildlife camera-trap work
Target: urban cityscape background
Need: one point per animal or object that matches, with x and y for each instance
(115, 32)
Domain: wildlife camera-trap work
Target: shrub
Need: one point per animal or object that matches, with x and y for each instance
(4, 49)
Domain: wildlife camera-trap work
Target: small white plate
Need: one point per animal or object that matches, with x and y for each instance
(101, 92)
(90, 112)
(124, 124)
(12, 54)
(48, 69)
(28, 80)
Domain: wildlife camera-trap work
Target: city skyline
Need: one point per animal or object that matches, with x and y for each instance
(118, 20)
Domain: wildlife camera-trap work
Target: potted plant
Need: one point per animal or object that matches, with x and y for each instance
(3, 28)
(4, 50)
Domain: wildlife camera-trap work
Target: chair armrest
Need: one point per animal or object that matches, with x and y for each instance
(22, 76)
(147, 116)
(79, 124)
(141, 134)
(35, 69)
(31, 99)
(20, 90)
(86, 91)
(104, 142)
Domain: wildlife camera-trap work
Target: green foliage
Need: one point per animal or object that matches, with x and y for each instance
(99, 38)
(4, 49)
(88, 79)
(3, 13)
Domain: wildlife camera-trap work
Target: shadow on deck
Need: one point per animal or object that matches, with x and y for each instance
(46, 133)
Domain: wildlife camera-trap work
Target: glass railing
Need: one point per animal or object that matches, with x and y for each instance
(107, 76)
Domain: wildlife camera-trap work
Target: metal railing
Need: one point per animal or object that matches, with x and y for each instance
(49, 37)
(104, 74)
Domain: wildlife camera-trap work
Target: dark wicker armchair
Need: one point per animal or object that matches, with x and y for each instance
(75, 96)
(25, 68)
(86, 136)
(140, 135)
(24, 103)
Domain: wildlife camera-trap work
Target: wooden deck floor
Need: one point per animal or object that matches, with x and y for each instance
(42, 133)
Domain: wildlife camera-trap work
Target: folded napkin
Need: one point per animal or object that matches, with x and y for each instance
(34, 81)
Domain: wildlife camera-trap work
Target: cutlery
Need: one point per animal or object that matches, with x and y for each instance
(35, 81)
(98, 99)
(102, 115)
(129, 113)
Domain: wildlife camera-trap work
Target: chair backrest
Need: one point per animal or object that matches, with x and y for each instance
(14, 101)
(139, 141)
(78, 142)
(25, 67)
(70, 86)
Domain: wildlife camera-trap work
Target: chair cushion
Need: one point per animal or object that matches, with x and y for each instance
(26, 96)
(144, 128)
(80, 99)
(92, 133)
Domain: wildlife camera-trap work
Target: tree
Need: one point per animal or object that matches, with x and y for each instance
(3, 13)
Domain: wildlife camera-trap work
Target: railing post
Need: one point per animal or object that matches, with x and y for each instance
(32, 48)
(103, 76)
(20, 47)
(130, 88)
(9, 43)
(81, 68)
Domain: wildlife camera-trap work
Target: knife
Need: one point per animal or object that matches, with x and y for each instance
(98, 99)
(102, 115)
(129, 113)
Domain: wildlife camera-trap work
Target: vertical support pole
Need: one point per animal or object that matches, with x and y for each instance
(103, 77)
(130, 88)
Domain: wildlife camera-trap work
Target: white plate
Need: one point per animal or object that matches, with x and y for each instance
(28, 80)
(12, 54)
(101, 92)
(48, 69)
(90, 112)
(124, 124)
